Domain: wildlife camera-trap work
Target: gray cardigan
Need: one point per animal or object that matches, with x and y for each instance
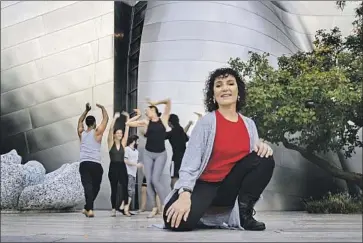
(196, 158)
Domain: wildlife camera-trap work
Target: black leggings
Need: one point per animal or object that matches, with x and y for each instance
(91, 177)
(247, 179)
(117, 173)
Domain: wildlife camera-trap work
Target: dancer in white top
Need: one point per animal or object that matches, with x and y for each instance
(132, 164)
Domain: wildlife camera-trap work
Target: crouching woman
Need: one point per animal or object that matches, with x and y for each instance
(225, 167)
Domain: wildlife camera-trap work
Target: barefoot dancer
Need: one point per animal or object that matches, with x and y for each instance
(117, 172)
(155, 154)
(90, 167)
(144, 198)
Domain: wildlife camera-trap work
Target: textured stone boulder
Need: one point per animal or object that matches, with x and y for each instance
(33, 173)
(57, 192)
(11, 158)
(12, 181)
(50, 176)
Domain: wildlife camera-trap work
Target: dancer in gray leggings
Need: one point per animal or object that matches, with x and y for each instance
(155, 155)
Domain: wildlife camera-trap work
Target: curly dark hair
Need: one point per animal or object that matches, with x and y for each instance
(209, 84)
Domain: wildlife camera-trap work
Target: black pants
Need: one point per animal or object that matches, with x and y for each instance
(177, 159)
(247, 179)
(91, 177)
(117, 173)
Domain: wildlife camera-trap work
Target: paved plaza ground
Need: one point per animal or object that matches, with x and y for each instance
(281, 226)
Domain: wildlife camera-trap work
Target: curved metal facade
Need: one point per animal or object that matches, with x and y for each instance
(183, 41)
(56, 56)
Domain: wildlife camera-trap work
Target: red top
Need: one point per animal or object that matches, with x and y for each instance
(231, 144)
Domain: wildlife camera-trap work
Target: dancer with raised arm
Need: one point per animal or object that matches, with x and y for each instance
(155, 154)
(225, 167)
(90, 167)
(132, 164)
(117, 172)
(178, 138)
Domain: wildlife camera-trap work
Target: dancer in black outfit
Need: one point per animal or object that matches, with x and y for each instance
(155, 155)
(178, 138)
(117, 171)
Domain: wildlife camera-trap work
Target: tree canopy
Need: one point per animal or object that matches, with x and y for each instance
(312, 102)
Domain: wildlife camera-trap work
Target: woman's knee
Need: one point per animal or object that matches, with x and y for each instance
(268, 162)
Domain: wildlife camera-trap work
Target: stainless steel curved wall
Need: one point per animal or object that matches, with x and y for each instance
(183, 41)
(55, 57)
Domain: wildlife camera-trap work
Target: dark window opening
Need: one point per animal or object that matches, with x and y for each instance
(123, 15)
(129, 22)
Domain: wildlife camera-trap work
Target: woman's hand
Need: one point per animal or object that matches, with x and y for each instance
(116, 116)
(263, 149)
(138, 112)
(139, 165)
(179, 210)
(88, 107)
(150, 102)
(127, 115)
(199, 115)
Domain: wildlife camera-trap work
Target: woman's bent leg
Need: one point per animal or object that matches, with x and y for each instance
(201, 199)
(247, 180)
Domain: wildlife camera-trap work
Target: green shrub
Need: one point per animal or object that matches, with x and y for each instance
(341, 203)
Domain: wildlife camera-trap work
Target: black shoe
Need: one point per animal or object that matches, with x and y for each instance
(246, 213)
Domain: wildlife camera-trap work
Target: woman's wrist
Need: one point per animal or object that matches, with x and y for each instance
(185, 195)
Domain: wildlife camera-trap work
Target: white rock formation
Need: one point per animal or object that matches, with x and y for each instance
(11, 158)
(12, 182)
(27, 187)
(33, 173)
(61, 191)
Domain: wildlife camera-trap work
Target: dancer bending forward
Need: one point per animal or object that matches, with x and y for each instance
(225, 167)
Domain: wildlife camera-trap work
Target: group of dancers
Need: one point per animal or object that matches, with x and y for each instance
(218, 176)
(124, 156)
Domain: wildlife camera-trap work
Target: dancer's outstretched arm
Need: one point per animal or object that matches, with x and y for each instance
(102, 127)
(186, 128)
(140, 123)
(198, 114)
(127, 128)
(111, 130)
(80, 127)
(166, 114)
